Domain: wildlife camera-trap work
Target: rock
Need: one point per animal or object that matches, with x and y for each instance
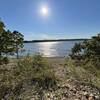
(77, 99)
(83, 98)
(86, 94)
(32, 99)
(91, 95)
(91, 98)
(63, 98)
(97, 98)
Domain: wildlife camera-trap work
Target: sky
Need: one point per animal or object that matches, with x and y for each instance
(65, 19)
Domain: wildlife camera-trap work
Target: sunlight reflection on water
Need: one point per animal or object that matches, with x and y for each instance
(47, 48)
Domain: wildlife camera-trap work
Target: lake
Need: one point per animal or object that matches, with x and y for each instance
(49, 49)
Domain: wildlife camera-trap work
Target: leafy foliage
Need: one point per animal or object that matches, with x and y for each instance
(10, 42)
(17, 41)
(89, 50)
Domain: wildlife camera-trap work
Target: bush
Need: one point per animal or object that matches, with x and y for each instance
(3, 60)
(38, 70)
(28, 72)
(83, 72)
(89, 50)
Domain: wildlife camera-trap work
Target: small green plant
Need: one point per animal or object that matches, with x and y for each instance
(1, 59)
(5, 60)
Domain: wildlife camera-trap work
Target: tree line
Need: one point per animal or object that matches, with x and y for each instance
(10, 42)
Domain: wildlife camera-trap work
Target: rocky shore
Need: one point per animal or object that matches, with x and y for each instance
(70, 88)
(76, 91)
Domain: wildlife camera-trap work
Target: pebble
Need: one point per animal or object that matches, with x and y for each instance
(85, 93)
(83, 98)
(91, 98)
(97, 98)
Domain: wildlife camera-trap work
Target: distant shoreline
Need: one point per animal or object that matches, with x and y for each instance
(32, 41)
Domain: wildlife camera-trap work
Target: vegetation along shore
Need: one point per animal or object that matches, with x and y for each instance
(54, 40)
(76, 77)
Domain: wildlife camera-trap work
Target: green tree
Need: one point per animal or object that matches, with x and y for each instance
(2, 26)
(76, 51)
(10, 42)
(17, 41)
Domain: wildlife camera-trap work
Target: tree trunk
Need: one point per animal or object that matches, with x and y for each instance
(0, 54)
(17, 53)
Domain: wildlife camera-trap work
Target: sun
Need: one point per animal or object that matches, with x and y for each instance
(44, 11)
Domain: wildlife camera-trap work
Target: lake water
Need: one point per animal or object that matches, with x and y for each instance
(49, 49)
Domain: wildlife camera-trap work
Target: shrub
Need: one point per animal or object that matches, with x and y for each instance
(89, 50)
(38, 70)
(28, 72)
(5, 60)
(85, 73)
(1, 59)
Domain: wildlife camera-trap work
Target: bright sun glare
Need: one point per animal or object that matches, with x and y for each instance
(44, 11)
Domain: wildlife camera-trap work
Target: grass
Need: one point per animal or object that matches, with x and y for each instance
(27, 75)
(34, 76)
(84, 72)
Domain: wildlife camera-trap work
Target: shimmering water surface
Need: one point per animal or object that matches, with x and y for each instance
(49, 49)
